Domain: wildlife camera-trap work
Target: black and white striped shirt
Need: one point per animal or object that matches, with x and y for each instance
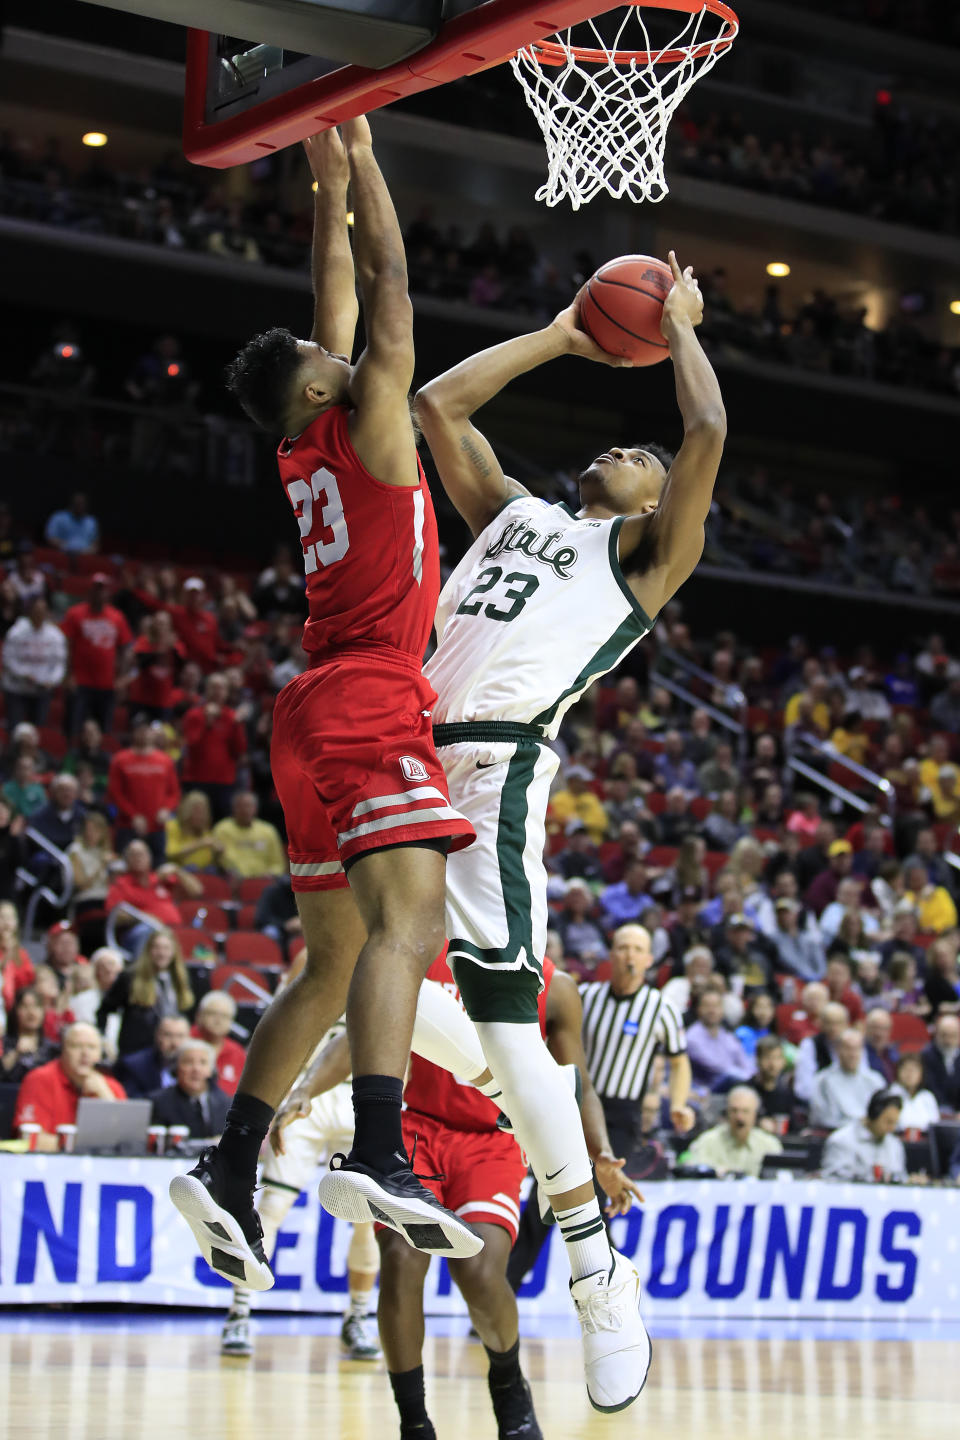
(621, 1035)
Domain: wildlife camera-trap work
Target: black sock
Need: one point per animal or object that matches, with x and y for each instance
(378, 1136)
(504, 1366)
(248, 1121)
(408, 1392)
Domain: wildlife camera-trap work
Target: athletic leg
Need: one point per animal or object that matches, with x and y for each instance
(363, 1265)
(482, 1282)
(605, 1286)
(445, 1035)
(400, 1317)
(216, 1197)
(400, 895)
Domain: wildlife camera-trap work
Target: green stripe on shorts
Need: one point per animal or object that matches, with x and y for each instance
(496, 984)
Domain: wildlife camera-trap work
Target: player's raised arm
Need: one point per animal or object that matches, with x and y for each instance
(335, 306)
(672, 538)
(469, 470)
(380, 426)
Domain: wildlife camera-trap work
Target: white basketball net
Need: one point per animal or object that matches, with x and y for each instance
(605, 124)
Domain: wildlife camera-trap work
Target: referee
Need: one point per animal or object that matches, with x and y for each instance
(625, 1022)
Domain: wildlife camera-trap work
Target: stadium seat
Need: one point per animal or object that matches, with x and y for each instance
(249, 891)
(660, 856)
(216, 887)
(909, 1032)
(656, 802)
(244, 916)
(700, 807)
(715, 860)
(244, 983)
(53, 741)
(196, 944)
(211, 917)
(663, 972)
(296, 945)
(249, 947)
(603, 971)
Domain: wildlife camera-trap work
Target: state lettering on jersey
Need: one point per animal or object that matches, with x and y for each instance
(519, 535)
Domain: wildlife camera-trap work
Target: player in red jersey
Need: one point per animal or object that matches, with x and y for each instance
(480, 1170)
(368, 815)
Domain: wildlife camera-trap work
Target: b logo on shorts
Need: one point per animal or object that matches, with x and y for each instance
(413, 768)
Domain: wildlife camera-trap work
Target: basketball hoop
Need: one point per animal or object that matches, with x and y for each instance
(604, 106)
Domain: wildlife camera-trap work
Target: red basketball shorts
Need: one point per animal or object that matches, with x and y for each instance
(482, 1170)
(354, 765)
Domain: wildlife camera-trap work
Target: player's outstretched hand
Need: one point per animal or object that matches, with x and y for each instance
(577, 341)
(685, 301)
(328, 159)
(295, 1107)
(619, 1187)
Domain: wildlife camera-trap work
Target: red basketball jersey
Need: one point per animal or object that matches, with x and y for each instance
(370, 550)
(435, 1092)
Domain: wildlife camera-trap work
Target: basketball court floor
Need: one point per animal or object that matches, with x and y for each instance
(126, 1376)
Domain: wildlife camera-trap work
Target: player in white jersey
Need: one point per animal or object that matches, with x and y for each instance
(544, 603)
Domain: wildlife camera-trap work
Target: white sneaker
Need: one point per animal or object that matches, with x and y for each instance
(616, 1346)
(235, 1336)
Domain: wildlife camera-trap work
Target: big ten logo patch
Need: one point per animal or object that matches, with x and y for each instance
(630, 1027)
(413, 768)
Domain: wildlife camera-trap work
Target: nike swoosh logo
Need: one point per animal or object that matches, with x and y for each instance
(481, 765)
(556, 1172)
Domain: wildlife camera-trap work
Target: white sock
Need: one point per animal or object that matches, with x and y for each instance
(491, 1088)
(359, 1304)
(240, 1305)
(588, 1248)
(444, 1034)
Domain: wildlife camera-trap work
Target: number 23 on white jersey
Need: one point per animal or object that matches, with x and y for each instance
(322, 487)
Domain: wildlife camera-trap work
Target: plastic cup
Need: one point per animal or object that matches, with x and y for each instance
(878, 1172)
(68, 1138)
(783, 1124)
(912, 1133)
(177, 1135)
(31, 1133)
(157, 1139)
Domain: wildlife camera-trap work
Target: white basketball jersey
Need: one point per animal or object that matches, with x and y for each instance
(537, 609)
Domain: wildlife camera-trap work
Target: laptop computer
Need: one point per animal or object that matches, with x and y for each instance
(112, 1127)
(794, 1161)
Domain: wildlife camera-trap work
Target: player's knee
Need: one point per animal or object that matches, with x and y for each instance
(274, 1204)
(477, 1277)
(401, 1267)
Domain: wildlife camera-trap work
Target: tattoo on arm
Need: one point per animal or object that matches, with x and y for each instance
(474, 454)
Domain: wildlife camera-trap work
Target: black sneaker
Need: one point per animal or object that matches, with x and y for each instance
(230, 1239)
(513, 1407)
(418, 1432)
(352, 1191)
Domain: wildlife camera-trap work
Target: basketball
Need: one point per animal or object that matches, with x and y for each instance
(622, 306)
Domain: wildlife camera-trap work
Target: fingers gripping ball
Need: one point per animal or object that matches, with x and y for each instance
(622, 307)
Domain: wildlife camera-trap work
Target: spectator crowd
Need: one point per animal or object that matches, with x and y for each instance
(805, 949)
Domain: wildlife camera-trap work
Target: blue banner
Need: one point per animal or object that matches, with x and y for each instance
(83, 1229)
